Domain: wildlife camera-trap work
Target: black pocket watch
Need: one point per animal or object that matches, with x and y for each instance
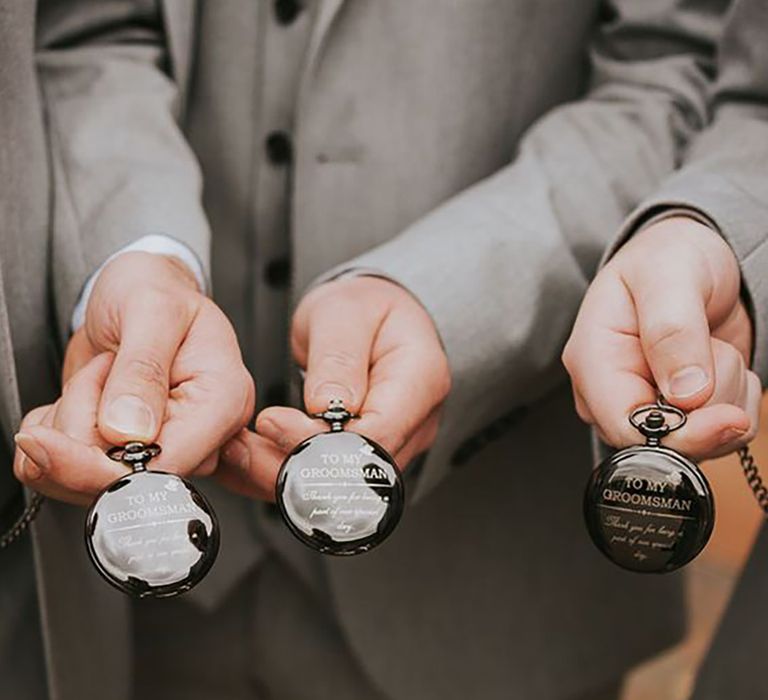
(649, 508)
(339, 492)
(151, 533)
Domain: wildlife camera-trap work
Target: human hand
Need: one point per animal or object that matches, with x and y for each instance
(155, 361)
(364, 340)
(665, 315)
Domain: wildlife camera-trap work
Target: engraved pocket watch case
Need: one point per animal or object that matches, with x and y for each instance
(649, 508)
(151, 533)
(339, 492)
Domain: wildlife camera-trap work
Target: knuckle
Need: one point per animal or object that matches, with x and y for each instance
(566, 356)
(582, 412)
(235, 395)
(391, 436)
(208, 465)
(438, 373)
(444, 385)
(66, 387)
(726, 351)
(750, 435)
(602, 436)
(35, 416)
(207, 307)
(733, 359)
(661, 333)
(395, 440)
(18, 471)
(340, 359)
(147, 370)
(430, 435)
(176, 309)
(730, 369)
(570, 357)
(247, 397)
(611, 435)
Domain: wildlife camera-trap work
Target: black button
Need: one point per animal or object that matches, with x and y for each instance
(277, 273)
(279, 148)
(276, 395)
(287, 10)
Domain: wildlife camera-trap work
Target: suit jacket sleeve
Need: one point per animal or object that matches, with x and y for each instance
(502, 267)
(121, 168)
(726, 172)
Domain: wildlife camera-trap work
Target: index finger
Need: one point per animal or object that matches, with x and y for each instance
(605, 360)
(405, 386)
(211, 396)
(340, 337)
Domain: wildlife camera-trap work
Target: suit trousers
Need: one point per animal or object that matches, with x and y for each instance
(271, 639)
(22, 665)
(733, 666)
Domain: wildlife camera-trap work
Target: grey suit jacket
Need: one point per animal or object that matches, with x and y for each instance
(483, 154)
(560, 117)
(726, 177)
(67, 202)
(25, 362)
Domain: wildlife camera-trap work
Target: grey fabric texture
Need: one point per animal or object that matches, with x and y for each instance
(731, 668)
(403, 107)
(25, 355)
(52, 240)
(726, 178)
(531, 236)
(102, 65)
(273, 639)
(529, 130)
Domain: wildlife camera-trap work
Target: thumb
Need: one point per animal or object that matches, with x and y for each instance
(675, 336)
(134, 399)
(340, 338)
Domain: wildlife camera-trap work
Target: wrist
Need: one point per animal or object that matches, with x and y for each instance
(135, 273)
(181, 271)
(691, 240)
(133, 285)
(362, 288)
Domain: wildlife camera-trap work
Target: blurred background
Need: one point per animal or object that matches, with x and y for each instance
(710, 578)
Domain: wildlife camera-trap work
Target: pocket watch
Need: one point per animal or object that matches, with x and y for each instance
(340, 492)
(151, 533)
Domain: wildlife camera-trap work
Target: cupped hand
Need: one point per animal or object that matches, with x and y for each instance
(364, 340)
(665, 315)
(155, 361)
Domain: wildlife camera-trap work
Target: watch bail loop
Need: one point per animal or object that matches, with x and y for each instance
(336, 415)
(134, 454)
(651, 421)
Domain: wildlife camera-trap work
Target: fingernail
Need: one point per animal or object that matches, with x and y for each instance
(131, 416)
(332, 390)
(688, 381)
(237, 454)
(269, 429)
(36, 458)
(731, 435)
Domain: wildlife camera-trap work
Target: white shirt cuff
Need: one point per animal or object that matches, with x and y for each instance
(155, 243)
